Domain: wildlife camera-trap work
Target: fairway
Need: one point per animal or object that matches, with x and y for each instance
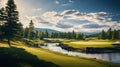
(64, 60)
(85, 43)
(67, 61)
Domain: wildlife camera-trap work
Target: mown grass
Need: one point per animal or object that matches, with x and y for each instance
(42, 57)
(18, 57)
(68, 61)
(87, 43)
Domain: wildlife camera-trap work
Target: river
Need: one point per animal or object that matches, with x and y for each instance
(111, 57)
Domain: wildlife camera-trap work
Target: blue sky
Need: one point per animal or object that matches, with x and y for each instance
(68, 15)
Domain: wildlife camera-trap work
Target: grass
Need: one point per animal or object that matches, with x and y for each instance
(19, 57)
(42, 57)
(88, 43)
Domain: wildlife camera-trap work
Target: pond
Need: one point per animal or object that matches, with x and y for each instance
(111, 57)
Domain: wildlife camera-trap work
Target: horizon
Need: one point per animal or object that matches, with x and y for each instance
(69, 15)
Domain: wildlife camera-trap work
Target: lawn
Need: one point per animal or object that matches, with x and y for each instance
(84, 44)
(44, 58)
(87, 43)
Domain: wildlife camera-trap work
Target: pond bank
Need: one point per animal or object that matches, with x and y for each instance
(91, 49)
(111, 57)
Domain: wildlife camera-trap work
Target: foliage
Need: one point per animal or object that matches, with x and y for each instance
(110, 34)
(9, 18)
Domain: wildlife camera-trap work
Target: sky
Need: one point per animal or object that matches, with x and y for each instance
(69, 15)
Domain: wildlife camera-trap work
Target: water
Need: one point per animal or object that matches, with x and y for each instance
(111, 57)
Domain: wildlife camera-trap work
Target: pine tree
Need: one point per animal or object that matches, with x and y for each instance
(103, 35)
(84, 36)
(114, 35)
(31, 34)
(20, 32)
(2, 16)
(77, 35)
(46, 33)
(12, 18)
(73, 35)
(109, 33)
(26, 32)
(39, 34)
(119, 34)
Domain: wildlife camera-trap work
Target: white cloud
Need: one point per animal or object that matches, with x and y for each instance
(52, 17)
(61, 20)
(98, 17)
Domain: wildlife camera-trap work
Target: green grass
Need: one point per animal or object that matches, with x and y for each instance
(87, 43)
(19, 57)
(31, 56)
(68, 61)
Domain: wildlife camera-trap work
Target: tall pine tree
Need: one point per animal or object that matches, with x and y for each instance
(109, 33)
(31, 30)
(12, 27)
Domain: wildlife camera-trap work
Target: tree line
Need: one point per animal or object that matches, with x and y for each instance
(111, 34)
(30, 33)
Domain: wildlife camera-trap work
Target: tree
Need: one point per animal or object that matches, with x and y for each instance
(103, 35)
(12, 18)
(119, 34)
(31, 30)
(26, 32)
(73, 35)
(109, 33)
(21, 30)
(46, 33)
(84, 36)
(114, 35)
(2, 16)
(39, 34)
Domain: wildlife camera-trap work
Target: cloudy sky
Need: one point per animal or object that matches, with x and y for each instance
(68, 15)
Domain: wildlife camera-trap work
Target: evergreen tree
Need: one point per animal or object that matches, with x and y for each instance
(109, 34)
(73, 35)
(84, 36)
(2, 16)
(46, 33)
(77, 36)
(26, 32)
(103, 35)
(31, 34)
(39, 34)
(12, 18)
(114, 35)
(20, 31)
(119, 34)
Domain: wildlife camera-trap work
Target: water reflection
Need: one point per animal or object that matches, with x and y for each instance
(112, 57)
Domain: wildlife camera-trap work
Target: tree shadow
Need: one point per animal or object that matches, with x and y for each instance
(14, 57)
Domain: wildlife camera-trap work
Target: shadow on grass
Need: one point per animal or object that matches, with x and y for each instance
(18, 57)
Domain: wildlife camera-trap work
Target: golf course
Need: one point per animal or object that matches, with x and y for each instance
(46, 57)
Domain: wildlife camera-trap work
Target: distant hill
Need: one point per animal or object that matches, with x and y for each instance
(90, 33)
(44, 30)
(51, 30)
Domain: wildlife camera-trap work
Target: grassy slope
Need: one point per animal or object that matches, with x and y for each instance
(19, 57)
(68, 61)
(64, 60)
